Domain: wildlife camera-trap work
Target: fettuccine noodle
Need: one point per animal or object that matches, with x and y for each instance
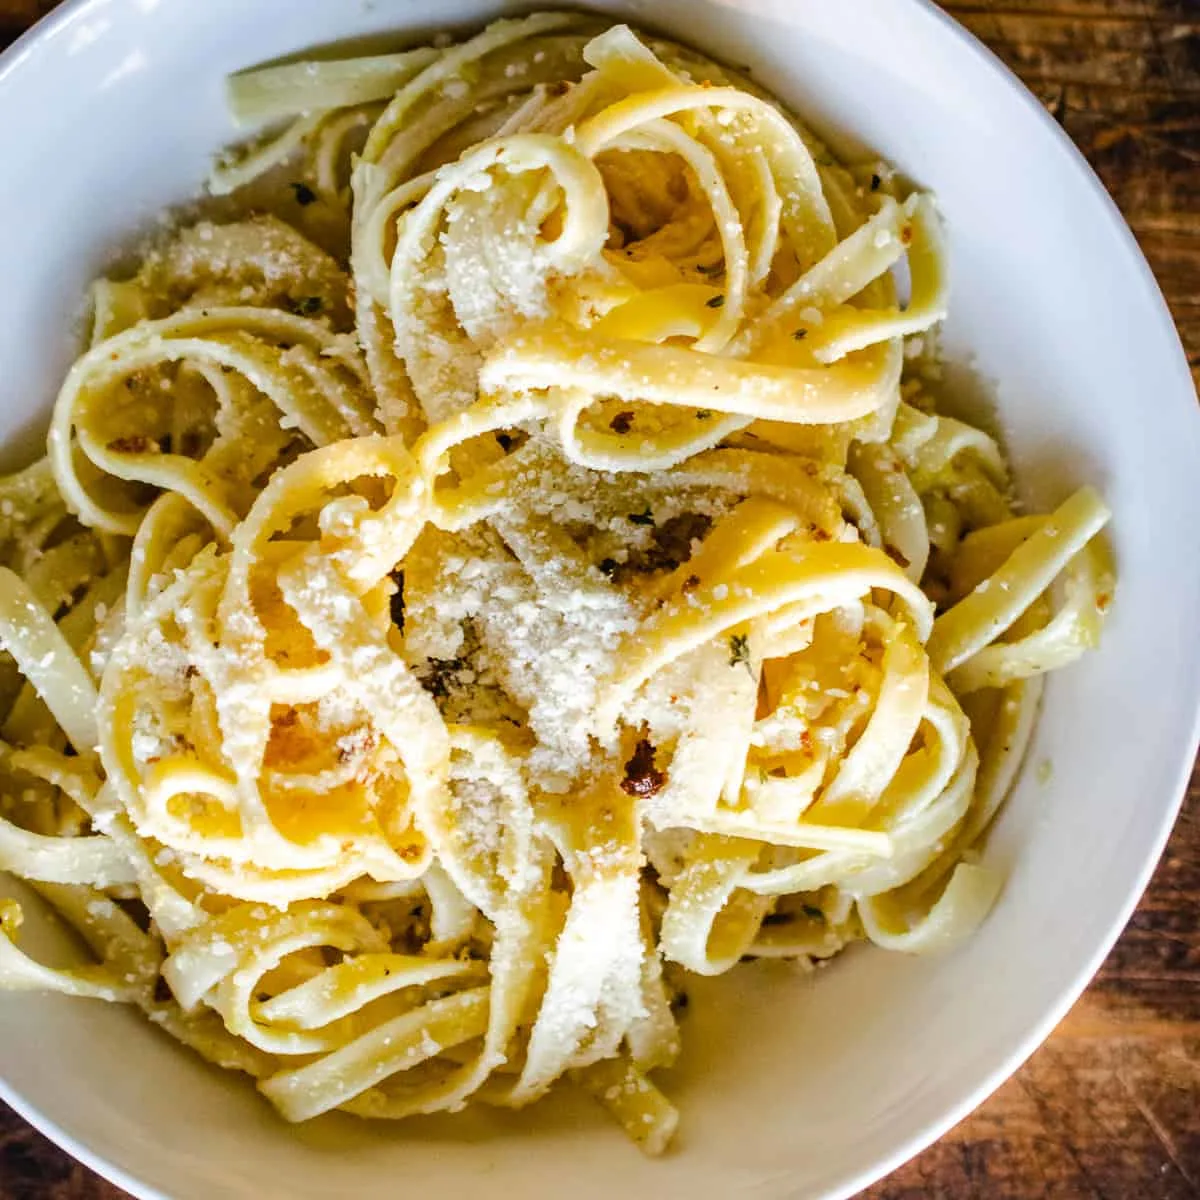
(526, 566)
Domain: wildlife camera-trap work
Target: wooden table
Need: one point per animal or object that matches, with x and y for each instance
(1109, 1108)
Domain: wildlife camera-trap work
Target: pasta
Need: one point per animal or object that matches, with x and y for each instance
(525, 562)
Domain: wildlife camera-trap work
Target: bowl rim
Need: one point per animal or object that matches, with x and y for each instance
(68, 12)
(988, 60)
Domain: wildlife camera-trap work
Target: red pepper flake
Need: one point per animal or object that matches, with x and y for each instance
(622, 422)
(690, 584)
(1103, 600)
(642, 778)
(906, 235)
(896, 556)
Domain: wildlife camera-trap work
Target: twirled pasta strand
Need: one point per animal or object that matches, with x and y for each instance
(441, 645)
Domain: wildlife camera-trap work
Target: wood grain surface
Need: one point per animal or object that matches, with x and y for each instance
(1109, 1108)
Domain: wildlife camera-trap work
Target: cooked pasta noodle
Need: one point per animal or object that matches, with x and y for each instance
(530, 566)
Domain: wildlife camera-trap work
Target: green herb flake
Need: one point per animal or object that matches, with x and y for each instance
(715, 302)
(642, 518)
(739, 653)
(800, 334)
(704, 414)
(811, 910)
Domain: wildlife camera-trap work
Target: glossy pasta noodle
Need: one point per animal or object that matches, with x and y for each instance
(522, 565)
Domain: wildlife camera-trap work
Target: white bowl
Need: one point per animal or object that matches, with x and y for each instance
(109, 112)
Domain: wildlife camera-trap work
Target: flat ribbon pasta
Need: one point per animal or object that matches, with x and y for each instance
(522, 563)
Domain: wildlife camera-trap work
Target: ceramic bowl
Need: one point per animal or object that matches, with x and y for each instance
(790, 1085)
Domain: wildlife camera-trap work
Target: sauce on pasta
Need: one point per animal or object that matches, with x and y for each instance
(535, 570)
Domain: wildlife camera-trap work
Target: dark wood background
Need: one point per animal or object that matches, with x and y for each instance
(1109, 1108)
